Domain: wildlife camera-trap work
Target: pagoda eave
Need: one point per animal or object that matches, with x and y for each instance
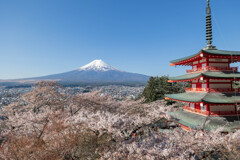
(167, 98)
(206, 97)
(189, 80)
(190, 121)
(234, 56)
(206, 75)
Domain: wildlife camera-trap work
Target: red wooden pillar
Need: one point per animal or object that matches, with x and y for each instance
(207, 80)
(208, 108)
(207, 60)
(229, 61)
(235, 109)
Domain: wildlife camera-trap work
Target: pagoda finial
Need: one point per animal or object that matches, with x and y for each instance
(209, 27)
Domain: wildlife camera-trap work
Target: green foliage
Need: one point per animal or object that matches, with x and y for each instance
(236, 84)
(157, 87)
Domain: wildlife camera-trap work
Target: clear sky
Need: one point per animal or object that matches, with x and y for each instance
(42, 37)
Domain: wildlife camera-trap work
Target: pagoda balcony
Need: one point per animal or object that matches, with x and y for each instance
(210, 68)
(196, 89)
(187, 108)
(212, 113)
(224, 113)
(212, 90)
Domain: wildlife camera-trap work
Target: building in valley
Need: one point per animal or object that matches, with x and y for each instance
(212, 101)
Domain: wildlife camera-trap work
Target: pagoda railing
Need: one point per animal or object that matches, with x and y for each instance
(212, 90)
(223, 90)
(196, 89)
(196, 110)
(210, 68)
(214, 113)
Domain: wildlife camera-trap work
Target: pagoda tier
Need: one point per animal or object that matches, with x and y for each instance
(209, 56)
(209, 81)
(221, 75)
(213, 104)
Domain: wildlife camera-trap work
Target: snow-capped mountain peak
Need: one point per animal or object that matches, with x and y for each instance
(96, 72)
(96, 65)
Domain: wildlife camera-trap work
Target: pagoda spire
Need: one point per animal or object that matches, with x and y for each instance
(209, 27)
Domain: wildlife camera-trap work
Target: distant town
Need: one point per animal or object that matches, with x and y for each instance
(119, 92)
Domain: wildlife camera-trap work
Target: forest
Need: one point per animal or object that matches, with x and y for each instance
(48, 124)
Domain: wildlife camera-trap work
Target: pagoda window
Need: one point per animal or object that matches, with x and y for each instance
(195, 62)
(196, 81)
(203, 60)
(192, 105)
(204, 65)
(194, 68)
(203, 81)
(193, 85)
(204, 85)
(203, 107)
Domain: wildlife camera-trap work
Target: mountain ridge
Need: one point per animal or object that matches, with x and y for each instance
(96, 71)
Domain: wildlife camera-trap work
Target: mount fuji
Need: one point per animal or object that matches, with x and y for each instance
(97, 65)
(96, 71)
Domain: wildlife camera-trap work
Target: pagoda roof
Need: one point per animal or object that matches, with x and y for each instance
(186, 77)
(197, 121)
(209, 51)
(225, 98)
(224, 75)
(221, 52)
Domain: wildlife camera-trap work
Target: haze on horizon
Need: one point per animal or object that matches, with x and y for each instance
(45, 37)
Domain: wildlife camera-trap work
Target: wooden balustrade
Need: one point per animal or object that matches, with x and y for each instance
(214, 113)
(196, 89)
(196, 110)
(223, 113)
(224, 90)
(212, 90)
(210, 68)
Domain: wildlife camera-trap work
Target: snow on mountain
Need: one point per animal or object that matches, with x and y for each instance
(97, 65)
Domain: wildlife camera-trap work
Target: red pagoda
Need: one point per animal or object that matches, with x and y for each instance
(212, 101)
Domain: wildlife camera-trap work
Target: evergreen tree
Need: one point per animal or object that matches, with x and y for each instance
(157, 87)
(150, 91)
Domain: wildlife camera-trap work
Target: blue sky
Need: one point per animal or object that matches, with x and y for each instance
(41, 37)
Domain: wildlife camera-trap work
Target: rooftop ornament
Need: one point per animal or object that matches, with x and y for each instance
(209, 28)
